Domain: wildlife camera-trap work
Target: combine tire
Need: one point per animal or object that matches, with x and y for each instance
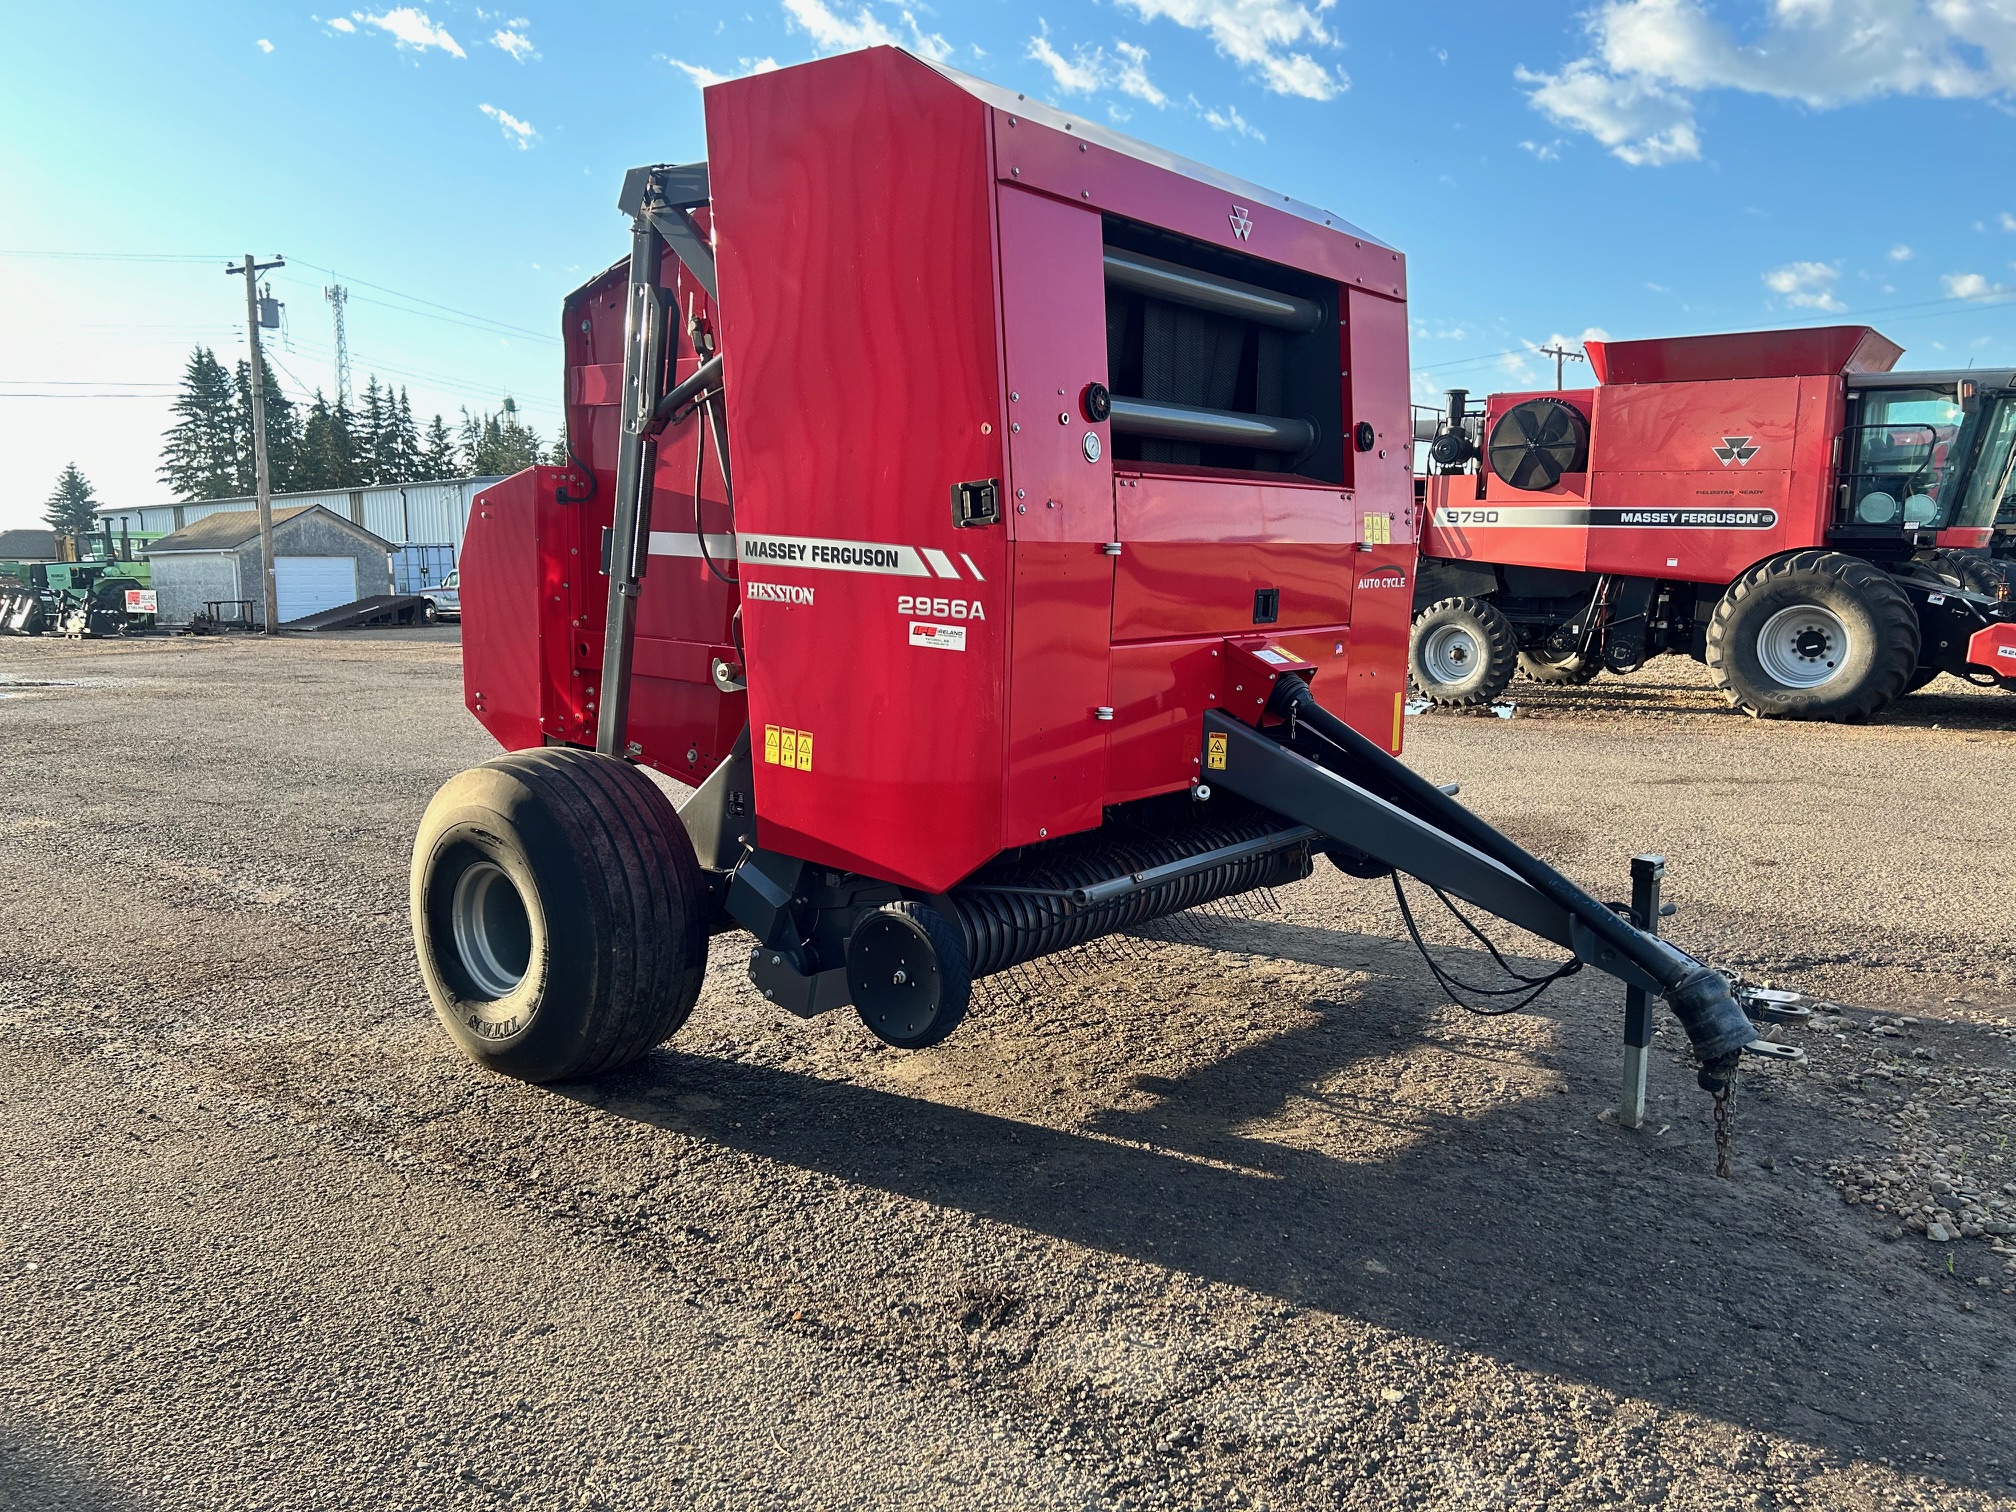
(1564, 668)
(1462, 653)
(1813, 635)
(559, 914)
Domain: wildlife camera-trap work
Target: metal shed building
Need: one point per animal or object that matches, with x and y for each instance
(320, 560)
(433, 514)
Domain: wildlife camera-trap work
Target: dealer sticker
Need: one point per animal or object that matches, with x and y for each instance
(938, 637)
(2009, 651)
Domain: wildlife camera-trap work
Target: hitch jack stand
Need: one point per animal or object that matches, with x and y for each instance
(1647, 872)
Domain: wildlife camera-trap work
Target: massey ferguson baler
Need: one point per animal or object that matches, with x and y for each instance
(1005, 528)
(1781, 505)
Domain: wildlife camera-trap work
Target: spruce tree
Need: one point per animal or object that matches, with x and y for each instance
(199, 455)
(405, 443)
(374, 443)
(438, 457)
(283, 432)
(499, 443)
(72, 506)
(329, 447)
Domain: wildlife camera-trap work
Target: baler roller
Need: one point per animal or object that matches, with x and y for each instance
(1169, 421)
(1207, 291)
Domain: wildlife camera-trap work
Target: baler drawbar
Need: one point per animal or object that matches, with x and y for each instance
(1151, 656)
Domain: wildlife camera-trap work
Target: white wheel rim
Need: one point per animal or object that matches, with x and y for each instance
(1451, 654)
(1804, 646)
(493, 937)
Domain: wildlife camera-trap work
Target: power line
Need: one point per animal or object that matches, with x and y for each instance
(431, 304)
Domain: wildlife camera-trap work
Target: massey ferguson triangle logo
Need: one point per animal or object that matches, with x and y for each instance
(1735, 449)
(1242, 223)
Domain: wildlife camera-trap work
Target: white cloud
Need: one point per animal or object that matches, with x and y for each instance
(1089, 69)
(341, 24)
(2008, 221)
(413, 29)
(1900, 253)
(1974, 286)
(703, 76)
(1649, 59)
(1806, 285)
(1229, 119)
(832, 31)
(263, 45)
(1269, 37)
(1547, 152)
(518, 133)
(514, 37)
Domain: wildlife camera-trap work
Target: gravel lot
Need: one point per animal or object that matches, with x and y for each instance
(1241, 1215)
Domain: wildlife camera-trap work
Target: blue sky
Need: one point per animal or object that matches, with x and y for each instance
(1639, 167)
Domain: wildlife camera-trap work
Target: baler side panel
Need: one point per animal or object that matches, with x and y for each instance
(1059, 515)
(855, 256)
(1382, 571)
(513, 565)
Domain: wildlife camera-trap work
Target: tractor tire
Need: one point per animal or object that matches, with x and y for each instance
(1570, 670)
(1958, 569)
(559, 914)
(1813, 635)
(1462, 652)
(909, 974)
(1923, 677)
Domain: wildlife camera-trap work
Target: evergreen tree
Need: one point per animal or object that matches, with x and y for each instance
(499, 443)
(373, 440)
(283, 433)
(438, 457)
(72, 506)
(199, 455)
(330, 448)
(404, 443)
(562, 454)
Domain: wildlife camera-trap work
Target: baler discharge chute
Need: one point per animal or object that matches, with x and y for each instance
(963, 669)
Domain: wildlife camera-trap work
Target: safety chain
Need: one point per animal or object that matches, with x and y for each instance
(1725, 1128)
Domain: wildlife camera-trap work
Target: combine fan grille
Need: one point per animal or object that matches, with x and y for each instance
(1537, 440)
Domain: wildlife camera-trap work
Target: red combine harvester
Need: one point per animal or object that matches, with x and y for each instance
(1778, 504)
(1005, 528)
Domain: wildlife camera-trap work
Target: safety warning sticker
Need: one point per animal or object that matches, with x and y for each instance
(1214, 752)
(938, 637)
(786, 747)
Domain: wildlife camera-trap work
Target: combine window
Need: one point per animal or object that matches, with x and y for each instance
(1220, 360)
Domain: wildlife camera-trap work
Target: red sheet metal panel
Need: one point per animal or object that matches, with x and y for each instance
(1823, 351)
(856, 262)
(513, 559)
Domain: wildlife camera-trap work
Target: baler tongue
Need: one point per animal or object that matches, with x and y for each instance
(1307, 765)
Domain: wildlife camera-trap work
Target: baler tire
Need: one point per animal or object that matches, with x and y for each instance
(952, 987)
(1490, 633)
(594, 950)
(1569, 671)
(1875, 614)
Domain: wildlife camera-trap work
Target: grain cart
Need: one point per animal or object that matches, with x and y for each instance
(1778, 504)
(1004, 527)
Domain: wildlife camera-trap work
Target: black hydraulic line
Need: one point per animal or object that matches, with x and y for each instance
(1170, 421)
(1207, 291)
(688, 390)
(1700, 996)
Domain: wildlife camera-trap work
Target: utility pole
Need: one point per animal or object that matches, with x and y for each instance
(262, 478)
(338, 296)
(1561, 354)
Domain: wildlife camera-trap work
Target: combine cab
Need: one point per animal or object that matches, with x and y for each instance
(1778, 504)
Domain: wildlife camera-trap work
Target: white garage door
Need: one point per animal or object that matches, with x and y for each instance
(310, 584)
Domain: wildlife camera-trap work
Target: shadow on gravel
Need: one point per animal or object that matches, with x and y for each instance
(1541, 1239)
(35, 1477)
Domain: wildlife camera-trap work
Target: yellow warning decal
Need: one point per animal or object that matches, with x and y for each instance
(1399, 708)
(1378, 530)
(785, 747)
(1214, 752)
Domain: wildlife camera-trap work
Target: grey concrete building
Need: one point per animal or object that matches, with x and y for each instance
(320, 560)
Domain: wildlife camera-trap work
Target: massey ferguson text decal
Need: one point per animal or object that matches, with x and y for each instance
(884, 557)
(1534, 517)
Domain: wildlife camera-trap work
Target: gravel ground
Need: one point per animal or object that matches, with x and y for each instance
(1238, 1215)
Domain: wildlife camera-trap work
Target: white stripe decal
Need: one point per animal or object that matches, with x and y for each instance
(940, 563)
(673, 543)
(971, 568)
(834, 556)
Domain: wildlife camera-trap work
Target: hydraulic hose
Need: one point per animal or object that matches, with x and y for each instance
(1700, 996)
